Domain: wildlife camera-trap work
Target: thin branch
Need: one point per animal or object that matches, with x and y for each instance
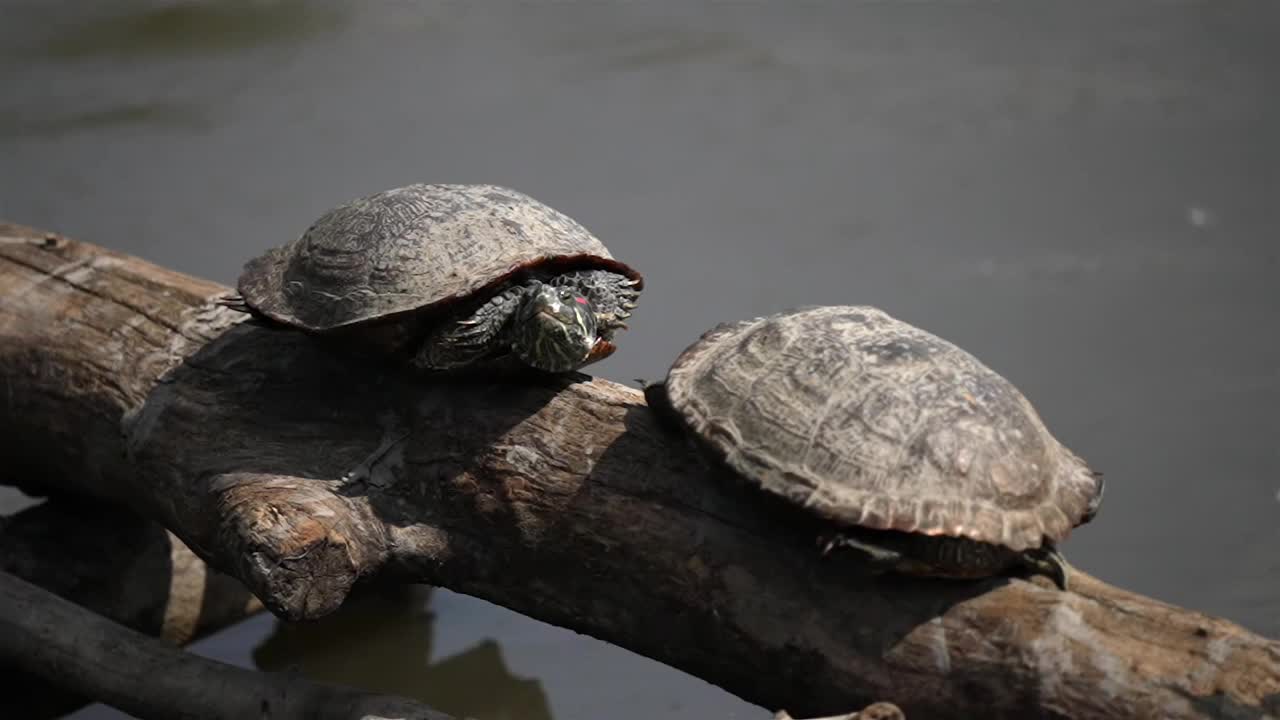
(118, 565)
(43, 634)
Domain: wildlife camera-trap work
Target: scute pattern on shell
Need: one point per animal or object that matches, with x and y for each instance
(867, 420)
(412, 247)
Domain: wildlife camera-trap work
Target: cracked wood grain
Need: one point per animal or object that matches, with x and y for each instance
(303, 471)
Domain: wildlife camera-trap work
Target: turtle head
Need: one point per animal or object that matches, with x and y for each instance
(555, 330)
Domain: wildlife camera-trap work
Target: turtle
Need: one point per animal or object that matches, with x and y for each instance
(445, 276)
(898, 445)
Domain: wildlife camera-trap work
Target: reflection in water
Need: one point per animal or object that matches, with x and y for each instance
(180, 28)
(653, 49)
(381, 640)
(155, 114)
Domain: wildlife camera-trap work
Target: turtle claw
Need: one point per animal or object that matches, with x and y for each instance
(878, 559)
(827, 543)
(235, 301)
(1047, 561)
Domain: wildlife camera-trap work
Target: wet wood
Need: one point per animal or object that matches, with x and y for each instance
(45, 635)
(302, 471)
(118, 565)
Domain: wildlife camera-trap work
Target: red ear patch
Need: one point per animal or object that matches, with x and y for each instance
(580, 300)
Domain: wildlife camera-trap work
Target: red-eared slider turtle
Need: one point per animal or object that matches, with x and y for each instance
(921, 459)
(448, 274)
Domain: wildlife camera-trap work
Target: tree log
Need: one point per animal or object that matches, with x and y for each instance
(88, 654)
(302, 470)
(120, 566)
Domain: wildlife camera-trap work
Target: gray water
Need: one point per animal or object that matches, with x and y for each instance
(1084, 195)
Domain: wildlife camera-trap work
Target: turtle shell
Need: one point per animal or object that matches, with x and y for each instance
(865, 420)
(413, 248)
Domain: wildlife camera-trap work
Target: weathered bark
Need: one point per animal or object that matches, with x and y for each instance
(88, 654)
(118, 565)
(301, 471)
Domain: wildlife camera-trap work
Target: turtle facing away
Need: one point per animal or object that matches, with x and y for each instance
(448, 275)
(916, 455)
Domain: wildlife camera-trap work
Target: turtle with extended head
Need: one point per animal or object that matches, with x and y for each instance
(914, 454)
(448, 275)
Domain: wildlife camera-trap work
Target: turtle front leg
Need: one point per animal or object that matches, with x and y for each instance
(468, 339)
(613, 296)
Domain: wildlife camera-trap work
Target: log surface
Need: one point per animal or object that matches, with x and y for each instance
(302, 471)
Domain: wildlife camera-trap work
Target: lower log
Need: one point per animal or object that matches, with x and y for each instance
(123, 567)
(120, 566)
(303, 471)
(42, 634)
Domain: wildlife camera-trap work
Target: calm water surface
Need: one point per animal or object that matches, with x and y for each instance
(1085, 196)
